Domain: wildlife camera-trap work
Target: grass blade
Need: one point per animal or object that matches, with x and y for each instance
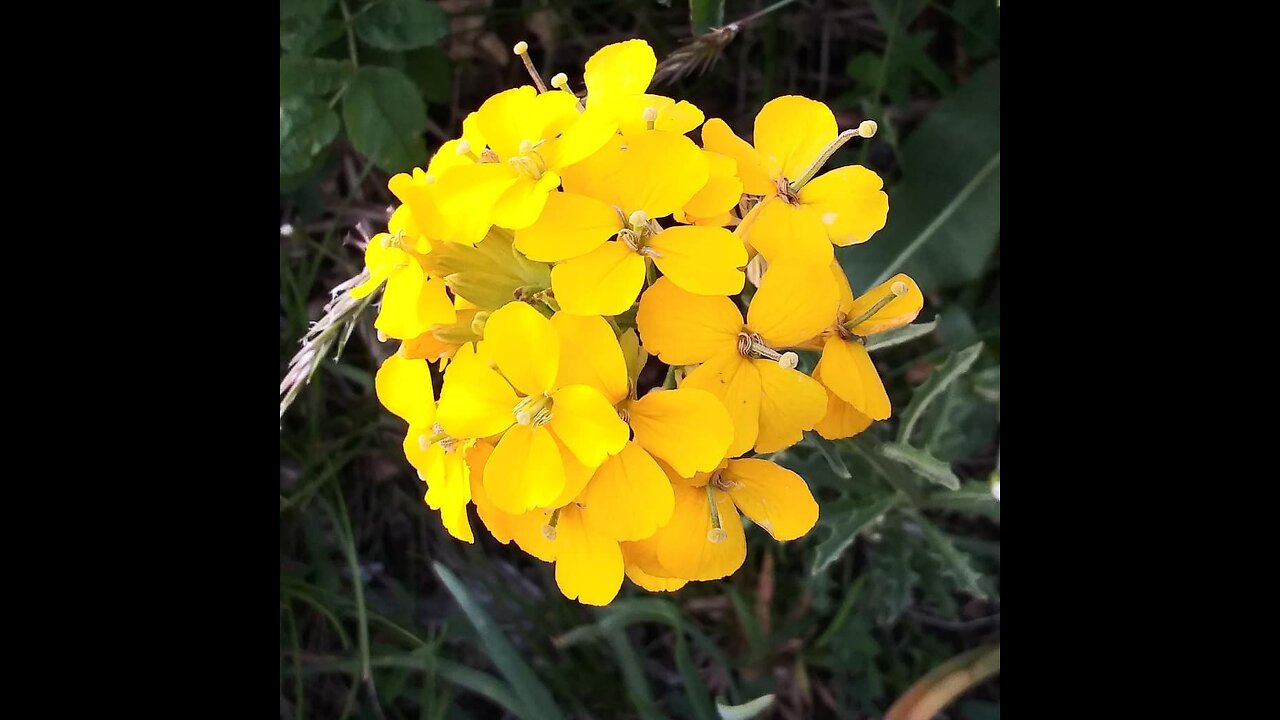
(534, 696)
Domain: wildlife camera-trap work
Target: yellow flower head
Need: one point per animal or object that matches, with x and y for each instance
(799, 218)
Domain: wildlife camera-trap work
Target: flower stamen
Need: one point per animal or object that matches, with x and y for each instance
(650, 117)
(865, 129)
(522, 49)
(464, 149)
(535, 410)
(896, 291)
(716, 534)
(750, 345)
(560, 81)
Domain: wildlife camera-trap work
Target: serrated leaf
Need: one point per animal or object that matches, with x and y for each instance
(307, 126)
(402, 24)
(306, 35)
(959, 567)
(844, 531)
(945, 218)
(897, 336)
(892, 579)
(829, 453)
(925, 465)
(974, 497)
(746, 710)
(942, 376)
(385, 118)
(533, 694)
(312, 76)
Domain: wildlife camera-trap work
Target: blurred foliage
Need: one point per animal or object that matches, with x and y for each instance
(382, 615)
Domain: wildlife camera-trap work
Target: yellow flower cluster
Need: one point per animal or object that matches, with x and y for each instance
(542, 257)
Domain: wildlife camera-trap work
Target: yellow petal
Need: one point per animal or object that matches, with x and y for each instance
(434, 305)
(842, 285)
(641, 562)
(467, 195)
(528, 530)
(842, 419)
(736, 383)
(788, 233)
(683, 328)
(722, 191)
(398, 317)
(775, 498)
(404, 387)
(680, 117)
(593, 176)
(475, 401)
(687, 427)
(447, 156)
(576, 477)
(570, 225)
(524, 471)
(508, 118)
(663, 171)
(629, 497)
(849, 202)
(449, 491)
(618, 70)
(682, 545)
(898, 312)
(588, 564)
(794, 303)
(523, 202)
(589, 132)
(757, 177)
(791, 132)
(525, 345)
(790, 403)
(701, 260)
(590, 355)
(849, 372)
(500, 524)
(605, 281)
(556, 110)
(587, 424)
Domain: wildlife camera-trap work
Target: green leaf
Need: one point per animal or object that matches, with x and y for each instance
(746, 710)
(846, 529)
(304, 8)
(402, 24)
(926, 465)
(532, 693)
(891, 579)
(705, 15)
(958, 566)
(430, 69)
(307, 35)
(942, 376)
(638, 690)
(972, 498)
(828, 452)
(897, 336)
(944, 217)
(307, 126)
(489, 273)
(385, 118)
(623, 613)
(312, 76)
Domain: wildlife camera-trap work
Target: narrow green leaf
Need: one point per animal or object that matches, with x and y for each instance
(312, 76)
(385, 118)
(704, 15)
(638, 690)
(402, 24)
(961, 570)
(945, 218)
(746, 710)
(846, 529)
(972, 498)
(482, 684)
(304, 8)
(897, 336)
(829, 453)
(307, 126)
(942, 376)
(532, 693)
(926, 465)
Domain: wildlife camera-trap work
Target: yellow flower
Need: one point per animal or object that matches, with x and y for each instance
(705, 541)
(720, 195)
(404, 387)
(799, 218)
(534, 405)
(846, 368)
(530, 138)
(618, 193)
(771, 403)
(413, 300)
(617, 77)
